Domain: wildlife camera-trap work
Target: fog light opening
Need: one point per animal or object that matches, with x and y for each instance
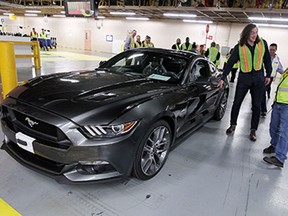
(94, 167)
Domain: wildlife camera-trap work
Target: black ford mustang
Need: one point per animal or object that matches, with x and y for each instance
(119, 119)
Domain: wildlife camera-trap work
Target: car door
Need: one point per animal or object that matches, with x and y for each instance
(200, 94)
(202, 73)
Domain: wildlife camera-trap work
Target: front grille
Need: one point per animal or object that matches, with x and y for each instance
(43, 132)
(41, 127)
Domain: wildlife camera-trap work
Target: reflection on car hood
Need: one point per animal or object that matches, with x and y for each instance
(76, 95)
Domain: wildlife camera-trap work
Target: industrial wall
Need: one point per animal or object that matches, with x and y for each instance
(70, 32)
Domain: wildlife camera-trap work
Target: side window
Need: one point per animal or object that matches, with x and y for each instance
(200, 72)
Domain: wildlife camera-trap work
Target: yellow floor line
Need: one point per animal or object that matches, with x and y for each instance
(7, 210)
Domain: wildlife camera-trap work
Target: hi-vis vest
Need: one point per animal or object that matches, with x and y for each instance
(189, 48)
(177, 47)
(138, 45)
(282, 89)
(132, 42)
(236, 65)
(213, 52)
(34, 34)
(43, 35)
(275, 64)
(245, 57)
(145, 44)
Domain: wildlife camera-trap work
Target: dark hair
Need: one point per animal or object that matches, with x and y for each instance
(246, 32)
(274, 44)
(194, 45)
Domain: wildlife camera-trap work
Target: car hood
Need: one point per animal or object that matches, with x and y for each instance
(93, 96)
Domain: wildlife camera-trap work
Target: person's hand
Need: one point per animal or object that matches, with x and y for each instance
(267, 80)
(220, 84)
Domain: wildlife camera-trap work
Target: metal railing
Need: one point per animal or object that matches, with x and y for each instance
(8, 62)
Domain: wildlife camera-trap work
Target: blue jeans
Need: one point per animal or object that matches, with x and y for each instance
(279, 130)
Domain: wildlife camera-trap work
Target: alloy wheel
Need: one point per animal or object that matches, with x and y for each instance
(155, 150)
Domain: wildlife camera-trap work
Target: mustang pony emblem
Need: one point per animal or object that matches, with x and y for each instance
(31, 122)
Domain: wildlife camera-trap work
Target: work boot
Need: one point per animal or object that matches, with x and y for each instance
(269, 150)
(263, 114)
(231, 129)
(274, 161)
(253, 135)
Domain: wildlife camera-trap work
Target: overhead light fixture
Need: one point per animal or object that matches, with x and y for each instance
(178, 15)
(31, 15)
(33, 11)
(269, 19)
(100, 17)
(122, 13)
(137, 18)
(198, 21)
(271, 25)
(59, 15)
(8, 14)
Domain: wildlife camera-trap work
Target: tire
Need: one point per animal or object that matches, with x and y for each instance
(220, 110)
(153, 151)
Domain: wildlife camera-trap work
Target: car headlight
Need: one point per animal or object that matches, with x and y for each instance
(94, 131)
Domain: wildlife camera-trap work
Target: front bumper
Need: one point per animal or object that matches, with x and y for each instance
(84, 160)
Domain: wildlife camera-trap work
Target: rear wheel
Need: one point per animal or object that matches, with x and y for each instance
(153, 151)
(220, 111)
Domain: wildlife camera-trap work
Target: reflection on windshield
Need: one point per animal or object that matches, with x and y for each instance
(148, 64)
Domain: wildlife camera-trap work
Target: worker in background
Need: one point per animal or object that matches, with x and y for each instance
(177, 45)
(187, 45)
(252, 53)
(279, 125)
(194, 48)
(218, 60)
(147, 42)
(43, 40)
(212, 53)
(33, 35)
(138, 42)
(48, 39)
(276, 67)
(234, 68)
(129, 42)
(201, 50)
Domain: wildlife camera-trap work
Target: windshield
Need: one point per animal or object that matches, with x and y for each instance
(150, 65)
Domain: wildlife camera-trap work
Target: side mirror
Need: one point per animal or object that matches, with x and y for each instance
(214, 81)
(101, 63)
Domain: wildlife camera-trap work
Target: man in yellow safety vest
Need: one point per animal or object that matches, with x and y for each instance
(212, 53)
(279, 125)
(252, 53)
(130, 42)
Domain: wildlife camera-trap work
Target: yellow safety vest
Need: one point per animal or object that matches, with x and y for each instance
(275, 64)
(282, 89)
(177, 47)
(236, 65)
(189, 48)
(132, 43)
(245, 57)
(213, 51)
(43, 35)
(148, 45)
(34, 34)
(138, 45)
